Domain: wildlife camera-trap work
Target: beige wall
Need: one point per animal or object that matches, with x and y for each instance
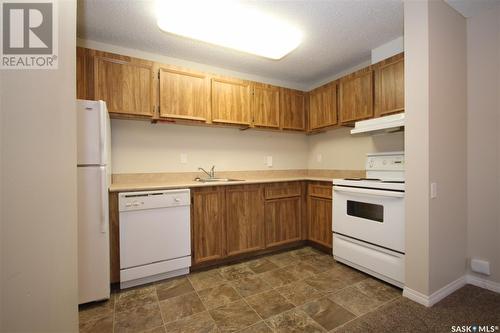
(232, 149)
(447, 143)
(435, 137)
(338, 149)
(416, 20)
(1, 203)
(142, 147)
(483, 139)
(39, 227)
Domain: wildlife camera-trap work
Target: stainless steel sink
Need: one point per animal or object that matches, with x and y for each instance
(215, 180)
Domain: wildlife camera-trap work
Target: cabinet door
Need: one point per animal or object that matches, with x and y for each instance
(319, 211)
(230, 101)
(323, 106)
(292, 109)
(208, 227)
(125, 84)
(389, 87)
(356, 96)
(265, 105)
(85, 73)
(184, 94)
(282, 219)
(244, 219)
(320, 220)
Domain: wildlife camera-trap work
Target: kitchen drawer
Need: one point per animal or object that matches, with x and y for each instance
(320, 190)
(282, 190)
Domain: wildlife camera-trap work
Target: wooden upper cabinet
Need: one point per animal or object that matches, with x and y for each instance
(126, 84)
(265, 105)
(244, 219)
(208, 224)
(323, 106)
(137, 88)
(292, 109)
(390, 86)
(84, 74)
(231, 101)
(184, 94)
(356, 96)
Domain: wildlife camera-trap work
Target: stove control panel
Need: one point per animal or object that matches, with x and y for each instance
(385, 162)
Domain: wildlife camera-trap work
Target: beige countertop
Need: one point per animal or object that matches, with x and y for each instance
(163, 181)
(176, 185)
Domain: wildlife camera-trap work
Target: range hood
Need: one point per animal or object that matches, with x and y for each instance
(392, 123)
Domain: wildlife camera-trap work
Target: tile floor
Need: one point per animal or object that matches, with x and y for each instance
(296, 291)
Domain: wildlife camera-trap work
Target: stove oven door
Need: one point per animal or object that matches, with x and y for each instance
(370, 215)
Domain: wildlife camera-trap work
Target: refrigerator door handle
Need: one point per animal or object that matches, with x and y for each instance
(104, 192)
(103, 136)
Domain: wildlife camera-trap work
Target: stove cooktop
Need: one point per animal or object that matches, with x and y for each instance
(377, 180)
(375, 183)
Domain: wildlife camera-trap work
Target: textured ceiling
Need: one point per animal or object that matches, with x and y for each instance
(337, 35)
(470, 8)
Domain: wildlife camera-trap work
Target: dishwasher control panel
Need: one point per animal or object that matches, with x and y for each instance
(128, 201)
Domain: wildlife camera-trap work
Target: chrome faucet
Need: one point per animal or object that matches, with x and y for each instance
(210, 174)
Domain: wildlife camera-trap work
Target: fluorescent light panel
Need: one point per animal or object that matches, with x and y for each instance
(228, 24)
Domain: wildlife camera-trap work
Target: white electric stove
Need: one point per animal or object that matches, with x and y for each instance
(368, 218)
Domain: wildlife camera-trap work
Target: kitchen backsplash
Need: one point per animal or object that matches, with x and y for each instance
(142, 147)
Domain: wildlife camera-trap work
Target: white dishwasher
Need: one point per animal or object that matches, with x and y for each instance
(155, 237)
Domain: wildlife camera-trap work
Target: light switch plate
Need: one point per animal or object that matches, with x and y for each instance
(319, 158)
(184, 158)
(269, 161)
(434, 190)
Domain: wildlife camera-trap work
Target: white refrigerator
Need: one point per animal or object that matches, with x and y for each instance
(94, 177)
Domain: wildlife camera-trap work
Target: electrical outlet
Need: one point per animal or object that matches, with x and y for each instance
(480, 266)
(269, 161)
(319, 158)
(184, 158)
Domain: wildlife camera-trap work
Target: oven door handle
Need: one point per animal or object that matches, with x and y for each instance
(366, 191)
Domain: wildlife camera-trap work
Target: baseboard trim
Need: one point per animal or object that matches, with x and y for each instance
(416, 296)
(483, 283)
(438, 295)
(450, 288)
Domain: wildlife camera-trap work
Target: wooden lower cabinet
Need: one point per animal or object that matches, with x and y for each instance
(236, 221)
(319, 214)
(244, 219)
(114, 238)
(282, 220)
(208, 224)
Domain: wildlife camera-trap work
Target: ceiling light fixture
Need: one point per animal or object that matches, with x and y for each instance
(228, 24)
